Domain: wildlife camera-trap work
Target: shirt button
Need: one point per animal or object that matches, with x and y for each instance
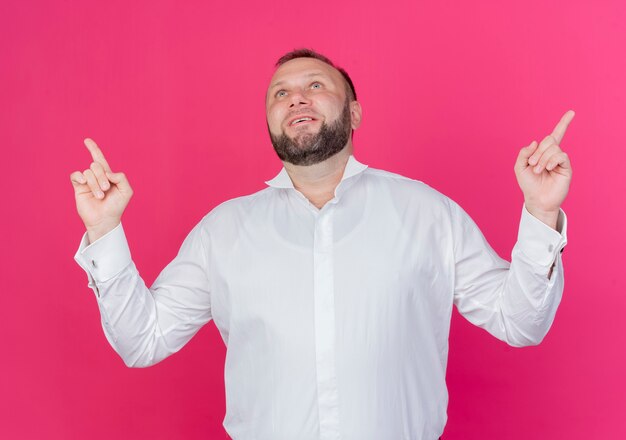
(93, 263)
(550, 248)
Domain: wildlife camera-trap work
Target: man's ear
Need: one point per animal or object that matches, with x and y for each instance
(355, 114)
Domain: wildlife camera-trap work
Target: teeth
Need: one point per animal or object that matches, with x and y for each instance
(300, 120)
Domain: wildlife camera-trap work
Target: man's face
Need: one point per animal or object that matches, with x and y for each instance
(309, 116)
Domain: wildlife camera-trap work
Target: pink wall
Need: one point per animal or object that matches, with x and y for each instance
(174, 94)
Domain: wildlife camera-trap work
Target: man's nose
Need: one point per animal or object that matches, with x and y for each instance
(298, 99)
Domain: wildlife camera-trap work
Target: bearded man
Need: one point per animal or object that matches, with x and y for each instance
(333, 287)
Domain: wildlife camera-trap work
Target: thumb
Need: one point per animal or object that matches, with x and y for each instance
(120, 180)
(522, 158)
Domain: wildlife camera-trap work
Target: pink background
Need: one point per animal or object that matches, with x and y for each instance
(174, 94)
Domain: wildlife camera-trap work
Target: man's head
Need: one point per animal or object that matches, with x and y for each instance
(311, 108)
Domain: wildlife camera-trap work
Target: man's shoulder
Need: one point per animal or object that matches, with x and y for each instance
(224, 224)
(403, 186)
(377, 173)
(242, 205)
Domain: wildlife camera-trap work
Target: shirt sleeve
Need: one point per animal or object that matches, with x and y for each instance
(517, 301)
(145, 325)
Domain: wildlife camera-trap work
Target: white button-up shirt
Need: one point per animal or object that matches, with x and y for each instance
(336, 320)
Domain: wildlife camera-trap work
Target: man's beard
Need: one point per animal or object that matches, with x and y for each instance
(309, 149)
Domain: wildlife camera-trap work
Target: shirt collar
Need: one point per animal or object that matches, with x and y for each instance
(282, 180)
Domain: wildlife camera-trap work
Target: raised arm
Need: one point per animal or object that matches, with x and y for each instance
(144, 325)
(517, 301)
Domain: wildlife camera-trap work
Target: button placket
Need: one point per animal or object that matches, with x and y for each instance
(324, 299)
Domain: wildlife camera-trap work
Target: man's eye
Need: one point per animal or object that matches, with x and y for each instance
(281, 94)
(316, 85)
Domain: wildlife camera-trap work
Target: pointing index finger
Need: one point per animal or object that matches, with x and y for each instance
(561, 127)
(96, 154)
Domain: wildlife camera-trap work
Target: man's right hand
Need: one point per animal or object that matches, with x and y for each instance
(101, 195)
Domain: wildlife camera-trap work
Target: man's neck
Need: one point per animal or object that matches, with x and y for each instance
(318, 182)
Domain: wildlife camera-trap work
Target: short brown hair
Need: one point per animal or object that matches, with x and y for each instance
(310, 53)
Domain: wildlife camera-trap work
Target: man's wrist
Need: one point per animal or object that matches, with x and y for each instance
(105, 258)
(550, 218)
(96, 232)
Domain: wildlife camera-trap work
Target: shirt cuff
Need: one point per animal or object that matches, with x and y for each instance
(106, 257)
(538, 241)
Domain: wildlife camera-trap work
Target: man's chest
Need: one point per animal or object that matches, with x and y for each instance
(376, 268)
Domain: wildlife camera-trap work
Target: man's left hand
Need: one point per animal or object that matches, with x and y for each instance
(544, 173)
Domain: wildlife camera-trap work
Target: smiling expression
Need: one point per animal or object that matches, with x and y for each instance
(307, 98)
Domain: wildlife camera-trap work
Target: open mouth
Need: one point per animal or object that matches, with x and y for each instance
(302, 120)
